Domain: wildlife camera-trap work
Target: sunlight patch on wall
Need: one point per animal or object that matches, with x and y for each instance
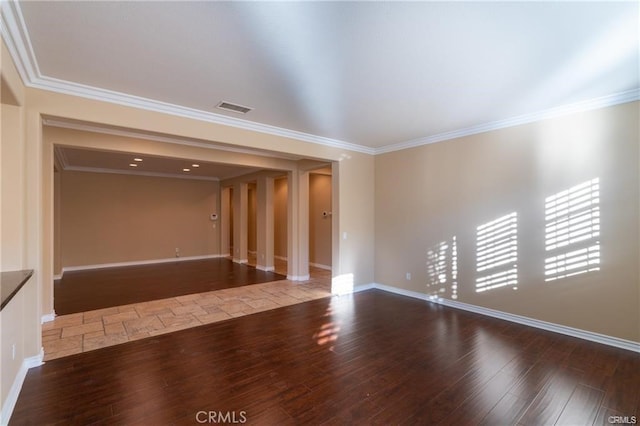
(497, 253)
(442, 269)
(342, 284)
(572, 230)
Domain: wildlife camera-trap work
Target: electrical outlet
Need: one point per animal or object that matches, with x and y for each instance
(13, 351)
(177, 252)
(408, 276)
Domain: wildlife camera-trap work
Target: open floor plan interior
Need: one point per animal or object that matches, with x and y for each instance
(319, 212)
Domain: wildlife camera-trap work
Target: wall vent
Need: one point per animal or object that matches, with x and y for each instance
(227, 106)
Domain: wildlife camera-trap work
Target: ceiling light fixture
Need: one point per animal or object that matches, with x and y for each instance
(228, 106)
(195, 165)
(137, 159)
(133, 165)
(186, 170)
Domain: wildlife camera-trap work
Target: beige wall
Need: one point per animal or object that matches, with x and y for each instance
(13, 187)
(319, 225)
(108, 218)
(353, 191)
(353, 218)
(20, 318)
(430, 194)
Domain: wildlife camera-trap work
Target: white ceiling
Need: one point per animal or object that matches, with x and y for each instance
(375, 74)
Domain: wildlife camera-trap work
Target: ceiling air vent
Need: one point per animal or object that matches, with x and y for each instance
(233, 107)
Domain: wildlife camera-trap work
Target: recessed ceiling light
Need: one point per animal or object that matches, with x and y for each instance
(133, 165)
(137, 159)
(186, 170)
(195, 165)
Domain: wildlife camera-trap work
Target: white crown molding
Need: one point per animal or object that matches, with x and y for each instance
(61, 156)
(531, 322)
(14, 32)
(83, 91)
(86, 127)
(16, 36)
(587, 105)
(137, 173)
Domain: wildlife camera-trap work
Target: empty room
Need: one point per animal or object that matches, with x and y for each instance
(320, 213)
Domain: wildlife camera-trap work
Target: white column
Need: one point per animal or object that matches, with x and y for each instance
(265, 259)
(225, 221)
(240, 218)
(292, 225)
(303, 225)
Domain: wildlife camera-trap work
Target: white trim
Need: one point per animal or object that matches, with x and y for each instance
(320, 266)
(531, 322)
(57, 277)
(130, 133)
(138, 262)
(281, 258)
(586, 105)
(241, 261)
(266, 268)
(363, 287)
(48, 317)
(17, 39)
(15, 34)
(61, 156)
(252, 252)
(138, 173)
(401, 291)
(298, 277)
(12, 397)
(104, 95)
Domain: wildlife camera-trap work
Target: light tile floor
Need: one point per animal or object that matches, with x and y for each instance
(86, 331)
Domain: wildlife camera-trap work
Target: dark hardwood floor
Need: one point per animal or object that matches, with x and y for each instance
(368, 358)
(81, 291)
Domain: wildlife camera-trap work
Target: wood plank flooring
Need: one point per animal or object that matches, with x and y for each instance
(81, 291)
(368, 358)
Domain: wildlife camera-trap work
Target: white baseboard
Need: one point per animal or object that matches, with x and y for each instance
(241, 260)
(281, 258)
(252, 252)
(48, 317)
(298, 277)
(57, 277)
(363, 287)
(531, 322)
(12, 397)
(320, 266)
(139, 262)
(266, 268)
